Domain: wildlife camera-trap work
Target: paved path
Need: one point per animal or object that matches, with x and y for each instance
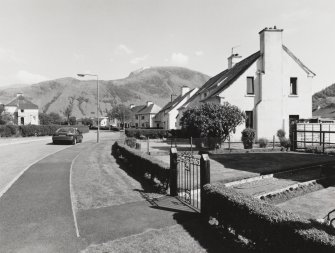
(36, 213)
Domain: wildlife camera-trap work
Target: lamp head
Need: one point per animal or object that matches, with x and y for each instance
(81, 75)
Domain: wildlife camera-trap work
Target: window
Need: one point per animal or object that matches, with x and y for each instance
(250, 85)
(249, 122)
(136, 117)
(293, 86)
(136, 125)
(142, 117)
(22, 110)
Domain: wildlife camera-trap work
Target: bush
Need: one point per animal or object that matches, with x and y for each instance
(285, 143)
(131, 142)
(9, 130)
(248, 137)
(144, 165)
(281, 133)
(147, 133)
(263, 142)
(269, 228)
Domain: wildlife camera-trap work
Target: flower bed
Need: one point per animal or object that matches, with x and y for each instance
(268, 228)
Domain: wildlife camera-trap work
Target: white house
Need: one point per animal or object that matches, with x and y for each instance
(166, 118)
(144, 118)
(23, 110)
(272, 86)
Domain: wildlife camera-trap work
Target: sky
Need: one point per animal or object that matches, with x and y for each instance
(48, 39)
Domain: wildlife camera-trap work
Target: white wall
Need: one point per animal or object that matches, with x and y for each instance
(30, 116)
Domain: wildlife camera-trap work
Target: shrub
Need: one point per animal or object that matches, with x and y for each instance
(281, 133)
(248, 137)
(263, 142)
(314, 149)
(269, 228)
(131, 142)
(285, 143)
(143, 165)
(9, 130)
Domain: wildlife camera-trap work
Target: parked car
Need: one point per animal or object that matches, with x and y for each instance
(67, 134)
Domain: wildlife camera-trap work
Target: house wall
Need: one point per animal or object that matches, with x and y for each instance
(148, 120)
(30, 116)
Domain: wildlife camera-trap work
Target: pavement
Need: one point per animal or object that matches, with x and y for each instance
(37, 214)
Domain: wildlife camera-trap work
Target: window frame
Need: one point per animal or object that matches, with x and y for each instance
(252, 85)
(293, 86)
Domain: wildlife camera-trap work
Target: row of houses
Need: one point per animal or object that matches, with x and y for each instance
(272, 86)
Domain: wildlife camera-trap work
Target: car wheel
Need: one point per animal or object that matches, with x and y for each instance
(74, 141)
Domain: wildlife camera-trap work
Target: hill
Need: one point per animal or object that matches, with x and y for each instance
(150, 84)
(324, 102)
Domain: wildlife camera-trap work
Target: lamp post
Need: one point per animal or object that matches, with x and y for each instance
(82, 75)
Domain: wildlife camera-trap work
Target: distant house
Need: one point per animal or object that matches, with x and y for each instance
(144, 117)
(133, 121)
(272, 86)
(24, 111)
(166, 117)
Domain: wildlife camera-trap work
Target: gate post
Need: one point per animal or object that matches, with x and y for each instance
(205, 178)
(173, 172)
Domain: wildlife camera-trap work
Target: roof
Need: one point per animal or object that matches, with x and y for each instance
(175, 102)
(228, 76)
(137, 108)
(153, 108)
(303, 66)
(22, 103)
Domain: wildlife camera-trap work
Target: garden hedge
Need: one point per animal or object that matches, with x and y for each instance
(147, 133)
(34, 130)
(143, 165)
(269, 228)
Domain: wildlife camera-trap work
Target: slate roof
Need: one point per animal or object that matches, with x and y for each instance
(149, 109)
(137, 108)
(175, 102)
(22, 103)
(228, 76)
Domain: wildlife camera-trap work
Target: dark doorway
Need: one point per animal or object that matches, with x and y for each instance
(22, 120)
(293, 120)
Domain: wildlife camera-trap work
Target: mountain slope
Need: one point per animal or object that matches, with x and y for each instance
(151, 84)
(324, 102)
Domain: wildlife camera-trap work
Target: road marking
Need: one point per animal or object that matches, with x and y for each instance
(6, 188)
(72, 197)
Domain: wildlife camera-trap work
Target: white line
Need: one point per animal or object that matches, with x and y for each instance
(3, 191)
(74, 208)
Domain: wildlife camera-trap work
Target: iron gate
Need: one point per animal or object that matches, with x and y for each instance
(188, 179)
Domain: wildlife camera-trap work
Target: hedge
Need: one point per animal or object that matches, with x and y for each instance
(147, 133)
(34, 130)
(269, 228)
(143, 165)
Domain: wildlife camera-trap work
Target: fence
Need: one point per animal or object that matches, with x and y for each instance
(309, 135)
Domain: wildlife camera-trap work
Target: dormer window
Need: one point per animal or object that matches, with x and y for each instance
(293, 86)
(250, 85)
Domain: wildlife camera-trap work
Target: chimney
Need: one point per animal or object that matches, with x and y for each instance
(271, 44)
(131, 106)
(19, 95)
(184, 90)
(149, 103)
(233, 59)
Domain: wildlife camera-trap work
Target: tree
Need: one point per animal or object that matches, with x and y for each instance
(6, 118)
(44, 118)
(55, 118)
(73, 120)
(67, 113)
(120, 112)
(212, 120)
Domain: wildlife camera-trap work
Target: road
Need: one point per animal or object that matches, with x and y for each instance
(35, 207)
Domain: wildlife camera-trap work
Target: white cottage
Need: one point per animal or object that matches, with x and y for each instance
(272, 86)
(23, 110)
(166, 118)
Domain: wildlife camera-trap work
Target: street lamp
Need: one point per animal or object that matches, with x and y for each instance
(82, 75)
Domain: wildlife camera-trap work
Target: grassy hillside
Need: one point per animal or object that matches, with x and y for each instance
(155, 84)
(324, 102)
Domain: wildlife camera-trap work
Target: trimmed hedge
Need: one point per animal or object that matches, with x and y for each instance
(34, 130)
(269, 228)
(148, 133)
(143, 165)
(9, 130)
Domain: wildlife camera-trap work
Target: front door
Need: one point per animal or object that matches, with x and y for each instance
(22, 120)
(293, 120)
